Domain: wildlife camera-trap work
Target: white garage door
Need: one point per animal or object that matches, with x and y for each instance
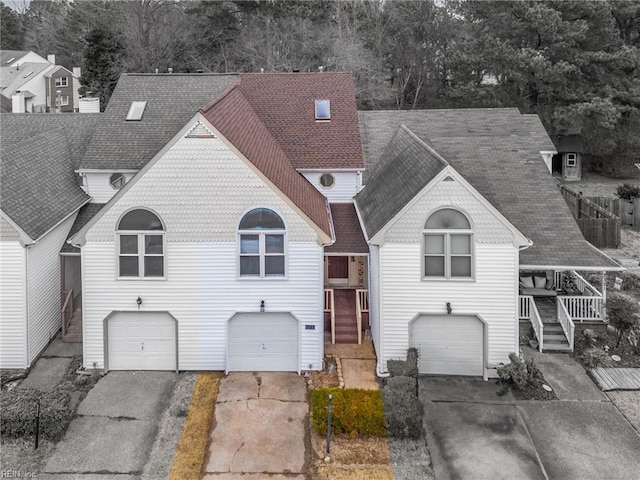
(449, 344)
(141, 341)
(263, 342)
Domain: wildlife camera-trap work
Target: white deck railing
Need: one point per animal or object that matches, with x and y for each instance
(582, 308)
(362, 305)
(330, 306)
(567, 324)
(529, 311)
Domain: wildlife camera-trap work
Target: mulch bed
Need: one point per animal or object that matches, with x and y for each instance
(325, 378)
(629, 355)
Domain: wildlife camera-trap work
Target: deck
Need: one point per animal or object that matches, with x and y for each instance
(616, 378)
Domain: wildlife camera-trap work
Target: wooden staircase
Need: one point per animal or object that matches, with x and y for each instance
(73, 333)
(346, 323)
(554, 339)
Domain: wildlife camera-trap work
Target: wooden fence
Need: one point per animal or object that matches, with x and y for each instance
(628, 211)
(599, 226)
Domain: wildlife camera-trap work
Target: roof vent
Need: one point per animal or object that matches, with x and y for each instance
(28, 74)
(321, 69)
(136, 110)
(170, 69)
(323, 110)
(262, 70)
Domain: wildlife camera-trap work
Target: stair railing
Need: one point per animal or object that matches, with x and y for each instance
(362, 305)
(66, 312)
(330, 306)
(567, 324)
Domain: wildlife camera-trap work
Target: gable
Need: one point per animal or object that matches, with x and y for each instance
(200, 188)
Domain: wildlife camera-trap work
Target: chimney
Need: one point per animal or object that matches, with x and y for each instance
(17, 103)
(51, 58)
(77, 72)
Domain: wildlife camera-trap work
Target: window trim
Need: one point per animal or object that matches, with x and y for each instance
(447, 233)
(141, 255)
(333, 180)
(60, 83)
(262, 235)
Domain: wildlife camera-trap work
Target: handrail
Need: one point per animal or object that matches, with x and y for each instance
(330, 306)
(567, 324)
(66, 312)
(524, 310)
(582, 284)
(582, 308)
(362, 305)
(536, 321)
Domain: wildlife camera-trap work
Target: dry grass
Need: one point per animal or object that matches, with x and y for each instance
(192, 448)
(332, 472)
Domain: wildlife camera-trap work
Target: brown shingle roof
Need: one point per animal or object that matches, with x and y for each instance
(349, 237)
(285, 102)
(233, 116)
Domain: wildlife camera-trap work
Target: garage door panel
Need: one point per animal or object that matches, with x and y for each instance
(449, 345)
(141, 341)
(263, 342)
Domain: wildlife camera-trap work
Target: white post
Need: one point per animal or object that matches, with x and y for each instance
(603, 311)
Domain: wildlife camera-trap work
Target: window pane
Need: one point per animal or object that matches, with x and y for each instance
(153, 244)
(274, 266)
(153, 266)
(129, 266)
(460, 244)
(461, 266)
(129, 244)
(140, 220)
(448, 218)
(274, 243)
(249, 244)
(261, 219)
(434, 244)
(434, 266)
(323, 110)
(249, 265)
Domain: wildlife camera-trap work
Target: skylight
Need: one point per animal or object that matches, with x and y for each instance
(323, 110)
(136, 110)
(28, 75)
(11, 59)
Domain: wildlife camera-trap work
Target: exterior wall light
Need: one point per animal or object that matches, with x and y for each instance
(262, 305)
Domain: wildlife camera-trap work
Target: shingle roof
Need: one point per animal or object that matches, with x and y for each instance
(78, 128)
(405, 167)
(172, 99)
(498, 152)
(349, 237)
(85, 214)
(6, 55)
(232, 115)
(6, 105)
(38, 188)
(11, 78)
(285, 102)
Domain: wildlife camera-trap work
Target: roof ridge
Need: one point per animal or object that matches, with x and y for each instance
(225, 93)
(424, 144)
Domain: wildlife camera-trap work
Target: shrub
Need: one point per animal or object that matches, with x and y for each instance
(514, 373)
(402, 408)
(594, 357)
(404, 368)
(18, 413)
(630, 282)
(355, 411)
(627, 191)
(623, 316)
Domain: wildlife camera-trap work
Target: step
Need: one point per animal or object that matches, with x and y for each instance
(555, 338)
(556, 347)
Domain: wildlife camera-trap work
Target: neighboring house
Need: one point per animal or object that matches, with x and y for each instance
(39, 200)
(35, 84)
(242, 221)
(457, 206)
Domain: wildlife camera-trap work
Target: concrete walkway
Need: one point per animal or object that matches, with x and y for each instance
(52, 365)
(115, 428)
(358, 364)
(260, 427)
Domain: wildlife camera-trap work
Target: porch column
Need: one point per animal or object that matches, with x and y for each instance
(603, 311)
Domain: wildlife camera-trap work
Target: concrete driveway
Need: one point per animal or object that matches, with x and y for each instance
(473, 433)
(115, 428)
(261, 427)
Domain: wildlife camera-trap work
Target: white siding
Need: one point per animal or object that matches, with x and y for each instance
(202, 292)
(346, 185)
(13, 345)
(43, 287)
(97, 185)
(374, 296)
(492, 296)
(200, 189)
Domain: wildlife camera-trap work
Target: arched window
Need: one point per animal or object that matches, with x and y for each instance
(140, 252)
(448, 245)
(261, 235)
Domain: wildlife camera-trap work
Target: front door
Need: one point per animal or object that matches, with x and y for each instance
(338, 270)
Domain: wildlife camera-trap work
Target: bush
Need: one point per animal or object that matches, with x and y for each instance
(623, 311)
(594, 357)
(18, 413)
(403, 410)
(514, 373)
(355, 411)
(626, 191)
(404, 368)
